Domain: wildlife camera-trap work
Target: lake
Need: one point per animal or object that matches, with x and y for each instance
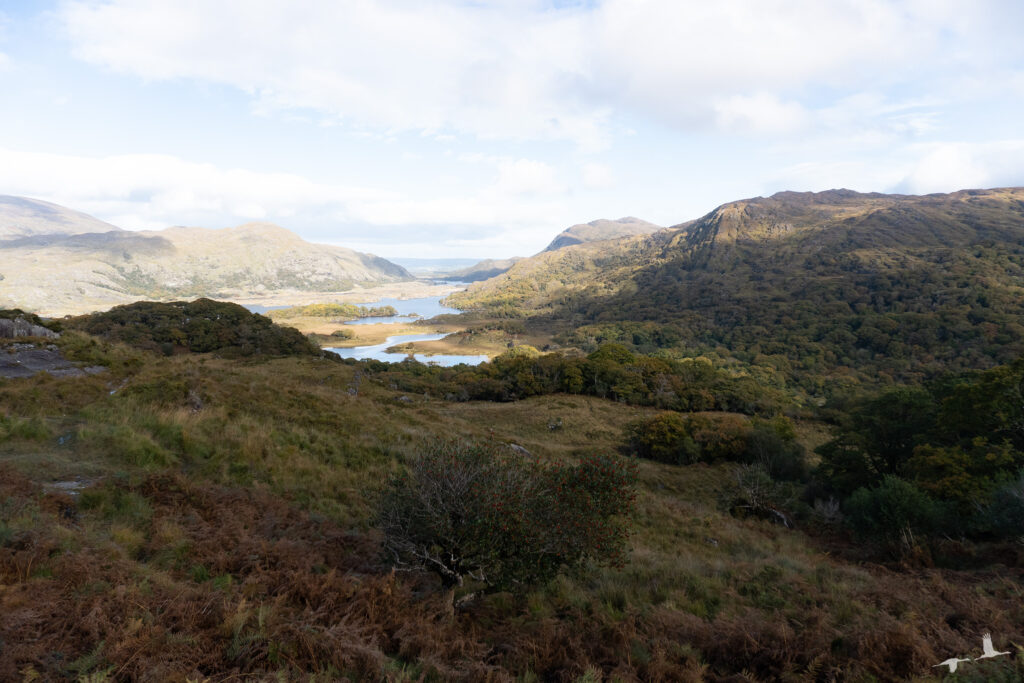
(379, 352)
(409, 310)
(423, 308)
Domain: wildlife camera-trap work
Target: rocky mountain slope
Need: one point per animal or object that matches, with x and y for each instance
(61, 273)
(817, 281)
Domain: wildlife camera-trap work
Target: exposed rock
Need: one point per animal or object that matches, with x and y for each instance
(20, 327)
(25, 360)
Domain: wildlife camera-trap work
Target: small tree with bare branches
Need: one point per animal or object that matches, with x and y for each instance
(502, 519)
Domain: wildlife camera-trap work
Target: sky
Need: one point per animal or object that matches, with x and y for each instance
(446, 128)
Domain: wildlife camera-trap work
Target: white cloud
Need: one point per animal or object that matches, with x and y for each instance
(944, 167)
(597, 176)
(913, 169)
(149, 191)
(521, 70)
(759, 113)
(526, 177)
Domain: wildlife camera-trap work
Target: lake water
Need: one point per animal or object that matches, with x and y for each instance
(423, 308)
(409, 310)
(379, 352)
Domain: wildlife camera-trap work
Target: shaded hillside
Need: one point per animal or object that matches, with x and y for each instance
(601, 229)
(484, 270)
(58, 274)
(834, 286)
(24, 217)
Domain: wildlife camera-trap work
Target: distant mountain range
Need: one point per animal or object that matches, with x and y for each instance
(880, 285)
(483, 270)
(23, 217)
(56, 261)
(600, 230)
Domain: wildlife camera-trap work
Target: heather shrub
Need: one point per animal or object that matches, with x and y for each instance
(893, 506)
(501, 519)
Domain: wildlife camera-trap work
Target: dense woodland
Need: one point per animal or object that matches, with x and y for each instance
(784, 442)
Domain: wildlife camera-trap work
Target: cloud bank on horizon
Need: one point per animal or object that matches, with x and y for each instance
(448, 128)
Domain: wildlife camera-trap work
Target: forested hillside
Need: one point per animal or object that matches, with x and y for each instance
(827, 288)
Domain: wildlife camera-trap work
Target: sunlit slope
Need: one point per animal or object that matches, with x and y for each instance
(821, 279)
(24, 217)
(58, 274)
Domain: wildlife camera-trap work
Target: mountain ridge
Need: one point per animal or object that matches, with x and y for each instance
(27, 217)
(837, 282)
(600, 230)
(103, 269)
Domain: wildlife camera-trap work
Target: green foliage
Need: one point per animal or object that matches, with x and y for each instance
(831, 290)
(665, 438)
(615, 373)
(684, 439)
(877, 438)
(199, 326)
(957, 440)
(29, 429)
(893, 506)
(1004, 515)
(340, 311)
(478, 511)
(962, 475)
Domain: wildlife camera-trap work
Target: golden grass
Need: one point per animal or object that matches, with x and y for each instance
(218, 529)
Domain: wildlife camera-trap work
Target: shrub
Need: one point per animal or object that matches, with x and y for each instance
(198, 326)
(506, 521)
(680, 440)
(892, 507)
(664, 438)
(1004, 515)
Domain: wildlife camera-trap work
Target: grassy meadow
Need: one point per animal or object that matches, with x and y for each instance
(218, 528)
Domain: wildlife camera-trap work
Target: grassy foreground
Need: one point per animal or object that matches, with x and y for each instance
(220, 530)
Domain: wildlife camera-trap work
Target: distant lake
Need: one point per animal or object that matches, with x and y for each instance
(378, 352)
(423, 308)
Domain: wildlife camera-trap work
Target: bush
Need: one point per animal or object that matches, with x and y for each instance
(199, 326)
(892, 507)
(681, 440)
(506, 521)
(1004, 515)
(664, 438)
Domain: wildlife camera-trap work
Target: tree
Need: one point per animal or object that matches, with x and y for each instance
(501, 519)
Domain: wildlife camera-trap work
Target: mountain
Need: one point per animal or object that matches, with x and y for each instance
(57, 274)
(483, 270)
(830, 287)
(581, 233)
(432, 267)
(602, 229)
(24, 217)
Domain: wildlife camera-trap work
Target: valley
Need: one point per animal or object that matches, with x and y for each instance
(818, 396)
